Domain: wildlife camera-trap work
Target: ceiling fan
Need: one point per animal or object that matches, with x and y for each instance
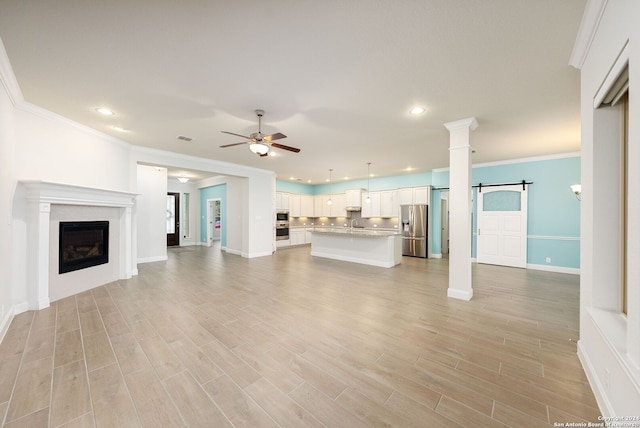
(260, 143)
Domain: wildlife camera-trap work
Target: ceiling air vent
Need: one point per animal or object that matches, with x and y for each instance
(183, 138)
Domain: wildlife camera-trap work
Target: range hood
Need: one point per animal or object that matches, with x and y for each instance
(353, 208)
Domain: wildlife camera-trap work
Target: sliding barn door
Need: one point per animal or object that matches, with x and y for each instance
(502, 226)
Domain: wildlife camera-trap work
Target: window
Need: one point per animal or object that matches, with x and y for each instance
(613, 102)
(185, 215)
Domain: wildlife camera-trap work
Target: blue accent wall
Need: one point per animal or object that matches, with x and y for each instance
(294, 187)
(554, 212)
(374, 184)
(214, 192)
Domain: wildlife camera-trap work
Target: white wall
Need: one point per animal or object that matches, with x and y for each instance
(250, 194)
(151, 209)
(609, 345)
(7, 185)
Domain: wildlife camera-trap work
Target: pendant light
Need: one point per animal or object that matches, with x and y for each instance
(329, 202)
(367, 200)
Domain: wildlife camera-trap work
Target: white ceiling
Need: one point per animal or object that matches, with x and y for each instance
(337, 77)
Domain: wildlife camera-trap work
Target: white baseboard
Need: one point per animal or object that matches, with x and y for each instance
(5, 323)
(460, 294)
(558, 269)
(153, 259)
(435, 256)
(598, 388)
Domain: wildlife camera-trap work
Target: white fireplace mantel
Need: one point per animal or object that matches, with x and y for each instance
(40, 196)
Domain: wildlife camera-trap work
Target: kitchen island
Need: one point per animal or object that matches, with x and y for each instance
(370, 247)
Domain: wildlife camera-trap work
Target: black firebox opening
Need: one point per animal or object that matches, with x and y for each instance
(83, 244)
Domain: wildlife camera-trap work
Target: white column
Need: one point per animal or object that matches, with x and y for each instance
(38, 255)
(460, 208)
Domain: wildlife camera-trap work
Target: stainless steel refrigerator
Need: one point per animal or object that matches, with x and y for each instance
(413, 224)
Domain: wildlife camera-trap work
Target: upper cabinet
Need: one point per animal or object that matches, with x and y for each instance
(354, 198)
(422, 195)
(372, 207)
(294, 205)
(283, 201)
(336, 209)
(381, 204)
(306, 206)
(415, 195)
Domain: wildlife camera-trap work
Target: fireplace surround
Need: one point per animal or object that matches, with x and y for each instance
(42, 237)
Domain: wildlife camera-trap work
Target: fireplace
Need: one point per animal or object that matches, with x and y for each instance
(83, 244)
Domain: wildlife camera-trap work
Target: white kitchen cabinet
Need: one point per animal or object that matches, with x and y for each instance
(388, 207)
(406, 196)
(320, 206)
(354, 198)
(371, 208)
(307, 235)
(296, 236)
(339, 206)
(336, 209)
(282, 201)
(415, 195)
(294, 205)
(306, 206)
(422, 195)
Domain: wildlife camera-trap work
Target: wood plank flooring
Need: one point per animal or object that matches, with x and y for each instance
(209, 339)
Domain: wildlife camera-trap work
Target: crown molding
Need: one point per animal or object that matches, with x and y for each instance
(591, 17)
(8, 79)
(519, 160)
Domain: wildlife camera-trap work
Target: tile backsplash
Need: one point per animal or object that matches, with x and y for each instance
(383, 223)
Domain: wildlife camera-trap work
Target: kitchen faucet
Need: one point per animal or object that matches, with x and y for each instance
(352, 220)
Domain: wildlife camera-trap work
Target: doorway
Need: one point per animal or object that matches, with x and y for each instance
(173, 219)
(214, 221)
(502, 226)
(444, 224)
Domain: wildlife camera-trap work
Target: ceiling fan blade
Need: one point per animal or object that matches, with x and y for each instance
(237, 135)
(235, 144)
(273, 137)
(283, 147)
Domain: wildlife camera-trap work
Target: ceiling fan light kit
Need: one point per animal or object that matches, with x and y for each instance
(259, 148)
(260, 143)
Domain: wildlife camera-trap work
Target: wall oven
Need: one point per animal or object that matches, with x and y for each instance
(282, 230)
(282, 225)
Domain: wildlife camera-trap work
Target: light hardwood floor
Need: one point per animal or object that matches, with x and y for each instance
(211, 339)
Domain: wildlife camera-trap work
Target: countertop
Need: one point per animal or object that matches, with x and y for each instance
(355, 231)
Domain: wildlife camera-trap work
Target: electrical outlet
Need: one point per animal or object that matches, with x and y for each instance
(548, 260)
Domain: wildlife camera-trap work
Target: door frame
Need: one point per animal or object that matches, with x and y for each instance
(176, 219)
(210, 219)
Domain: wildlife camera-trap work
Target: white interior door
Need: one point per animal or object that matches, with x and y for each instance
(502, 226)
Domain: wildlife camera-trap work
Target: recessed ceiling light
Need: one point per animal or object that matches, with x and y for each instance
(119, 128)
(308, 181)
(273, 154)
(105, 111)
(346, 178)
(409, 169)
(292, 178)
(417, 110)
